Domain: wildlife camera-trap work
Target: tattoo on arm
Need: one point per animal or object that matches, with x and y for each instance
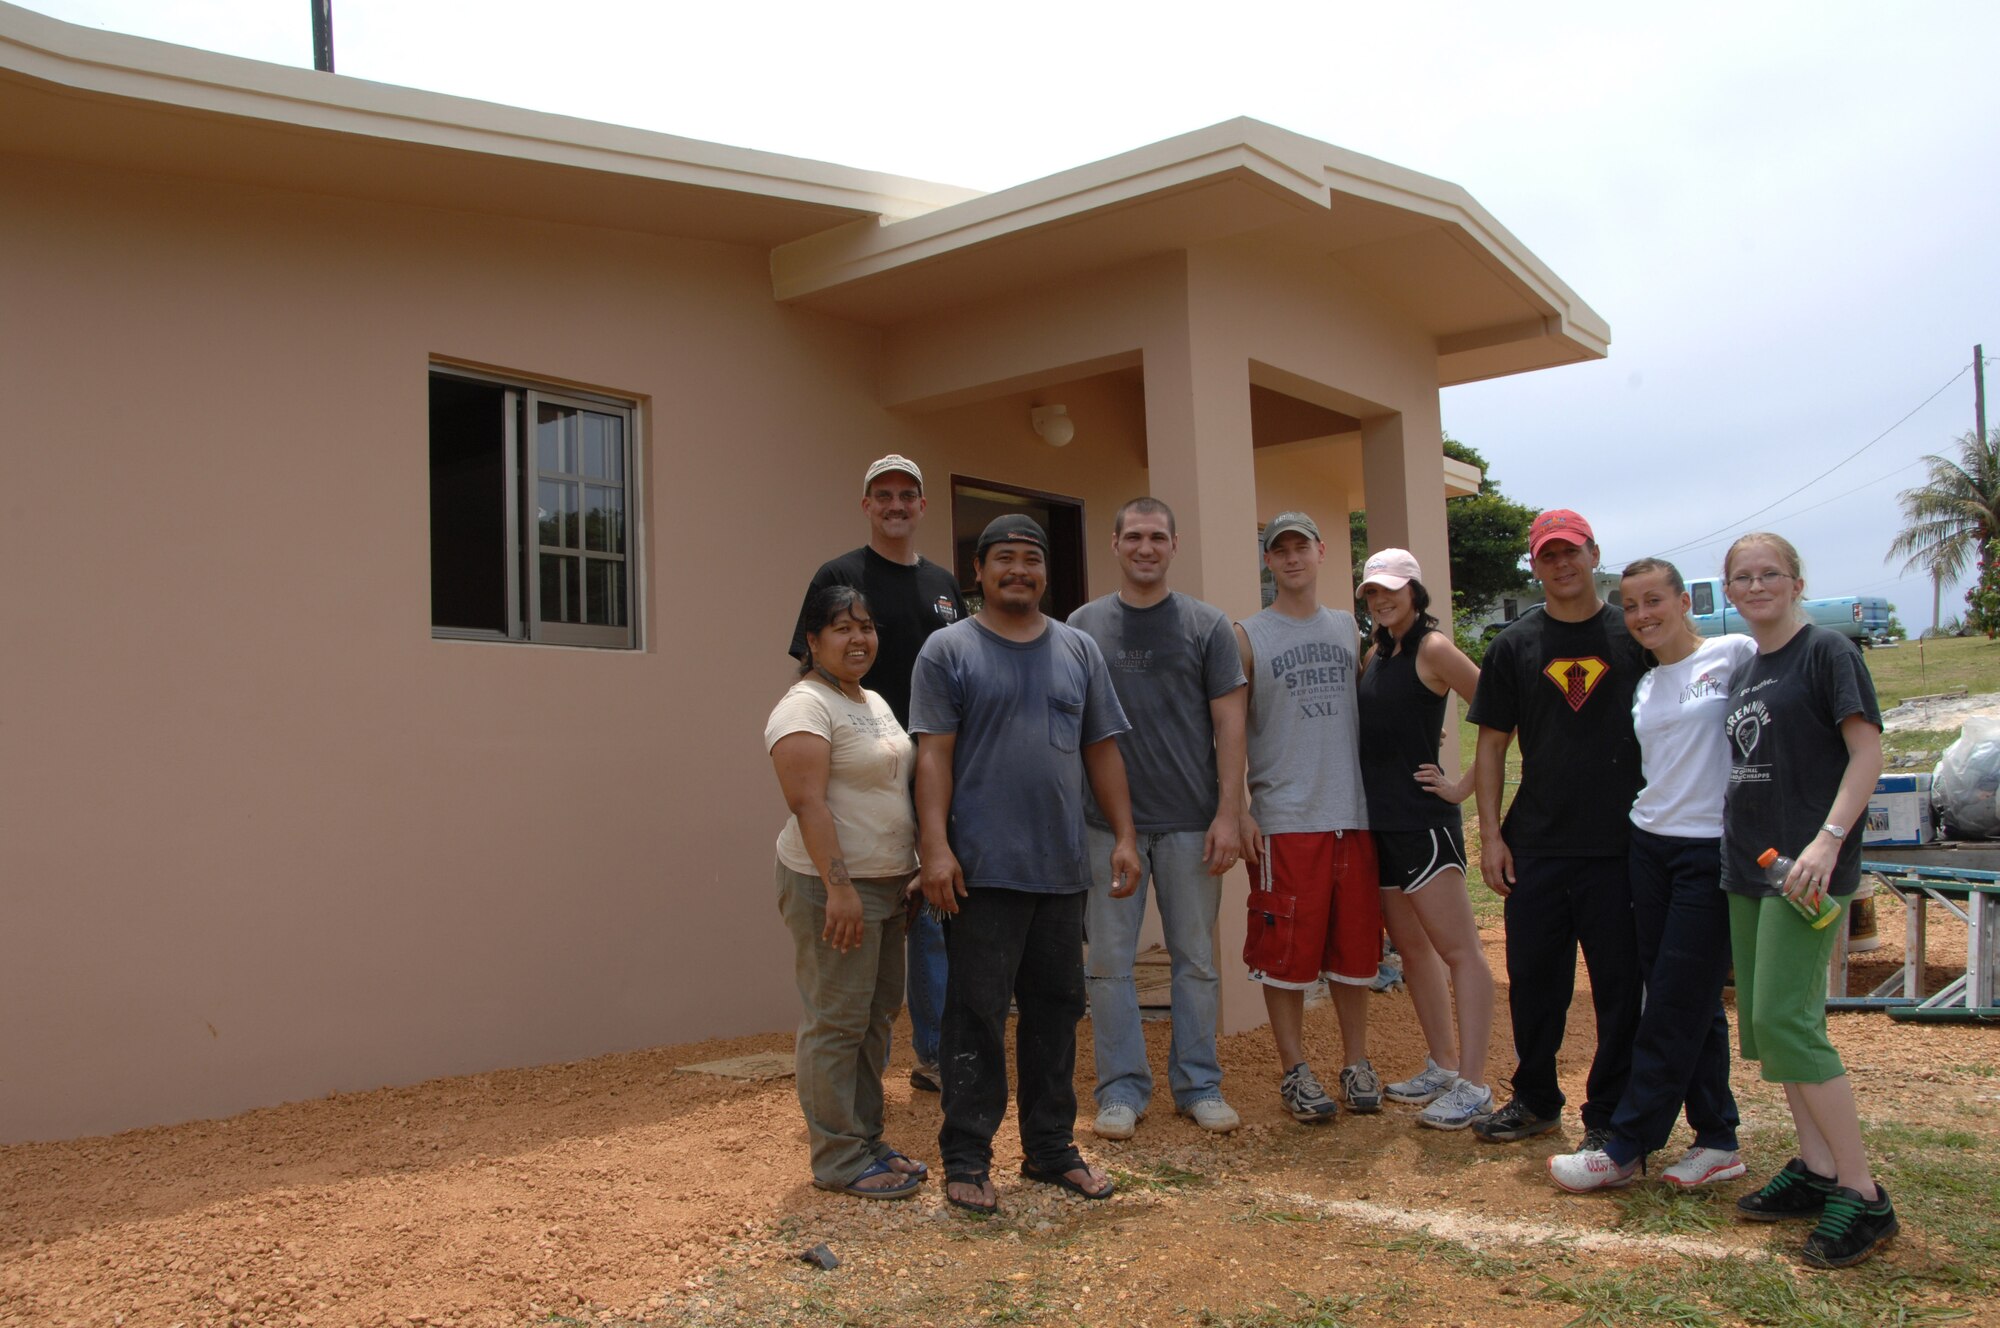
(836, 873)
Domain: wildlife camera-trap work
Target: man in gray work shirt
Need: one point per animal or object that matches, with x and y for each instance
(1175, 669)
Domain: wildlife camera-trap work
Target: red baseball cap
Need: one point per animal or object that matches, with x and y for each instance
(1558, 523)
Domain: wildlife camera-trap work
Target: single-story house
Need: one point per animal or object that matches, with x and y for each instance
(408, 498)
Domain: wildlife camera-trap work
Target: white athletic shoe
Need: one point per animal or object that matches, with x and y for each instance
(1704, 1166)
(1580, 1173)
(1459, 1106)
(1423, 1088)
(1116, 1121)
(1212, 1113)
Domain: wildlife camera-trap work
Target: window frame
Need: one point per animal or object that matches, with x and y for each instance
(522, 396)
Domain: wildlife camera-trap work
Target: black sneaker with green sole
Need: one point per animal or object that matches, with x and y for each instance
(1851, 1228)
(1796, 1191)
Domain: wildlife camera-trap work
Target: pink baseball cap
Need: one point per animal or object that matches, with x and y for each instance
(1558, 523)
(1391, 569)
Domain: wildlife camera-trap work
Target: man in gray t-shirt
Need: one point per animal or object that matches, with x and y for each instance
(1174, 665)
(1012, 711)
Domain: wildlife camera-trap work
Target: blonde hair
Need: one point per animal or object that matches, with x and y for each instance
(1786, 554)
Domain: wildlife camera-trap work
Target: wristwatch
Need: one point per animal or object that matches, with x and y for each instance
(1837, 831)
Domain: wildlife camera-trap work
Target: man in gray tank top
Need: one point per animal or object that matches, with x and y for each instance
(1314, 908)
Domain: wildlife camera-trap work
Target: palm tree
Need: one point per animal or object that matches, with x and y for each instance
(1949, 518)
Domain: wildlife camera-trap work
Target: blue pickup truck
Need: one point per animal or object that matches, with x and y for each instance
(1865, 618)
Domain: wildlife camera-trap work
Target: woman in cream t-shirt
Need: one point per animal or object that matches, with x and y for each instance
(845, 860)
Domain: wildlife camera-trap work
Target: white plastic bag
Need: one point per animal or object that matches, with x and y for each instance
(1967, 781)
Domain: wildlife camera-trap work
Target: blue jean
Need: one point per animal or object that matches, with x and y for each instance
(925, 974)
(1189, 899)
(1681, 1054)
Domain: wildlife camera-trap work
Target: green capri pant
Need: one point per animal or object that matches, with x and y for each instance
(1781, 989)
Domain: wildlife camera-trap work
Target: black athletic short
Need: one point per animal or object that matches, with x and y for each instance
(1408, 859)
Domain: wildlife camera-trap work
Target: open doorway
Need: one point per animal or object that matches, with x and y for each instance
(976, 502)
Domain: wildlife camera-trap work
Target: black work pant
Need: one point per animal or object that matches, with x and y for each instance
(1026, 946)
(1557, 904)
(1682, 1050)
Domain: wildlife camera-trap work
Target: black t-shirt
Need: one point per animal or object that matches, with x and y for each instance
(1401, 719)
(908, 603)
(1566, 690)
(1787, 758)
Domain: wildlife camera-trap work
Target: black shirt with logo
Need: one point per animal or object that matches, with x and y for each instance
(1566, 690)
(1787, 756)
(908, 602)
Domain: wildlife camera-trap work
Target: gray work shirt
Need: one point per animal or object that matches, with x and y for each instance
(1304, 733)
(1022, 711)
(1167, 662)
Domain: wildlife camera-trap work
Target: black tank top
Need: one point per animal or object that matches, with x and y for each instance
(1400, 722)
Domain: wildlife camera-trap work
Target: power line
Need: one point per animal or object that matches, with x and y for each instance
(1742, 521)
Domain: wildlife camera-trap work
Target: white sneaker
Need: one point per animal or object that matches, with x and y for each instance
(1458, 1106)
(1212, 1113)
(1428, 1086)
(1361, 1087)
(1116, 1121)
(1580, 1173)
(1704, 1166)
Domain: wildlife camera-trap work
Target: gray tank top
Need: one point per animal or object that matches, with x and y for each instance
(1305, 773)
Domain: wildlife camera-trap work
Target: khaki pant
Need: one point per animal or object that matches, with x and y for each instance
(849, 1001)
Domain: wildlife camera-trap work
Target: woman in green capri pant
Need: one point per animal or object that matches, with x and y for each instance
(1805, 739)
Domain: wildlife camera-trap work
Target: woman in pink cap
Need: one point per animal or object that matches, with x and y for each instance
(1419, 838)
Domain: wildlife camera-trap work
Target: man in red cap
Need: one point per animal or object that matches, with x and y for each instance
(1561, 677)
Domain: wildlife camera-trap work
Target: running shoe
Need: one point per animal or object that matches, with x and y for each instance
(1361, 1087)
(1704, 1166)
(1461, 1105)
(1212, 1113)
(1591, 1169)
(1116, 1120)
(1304, 1098)
(1512, 1123)
(1426, 1087)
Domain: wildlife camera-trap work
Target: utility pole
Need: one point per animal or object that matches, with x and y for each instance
(1979, 391)
(322, 11)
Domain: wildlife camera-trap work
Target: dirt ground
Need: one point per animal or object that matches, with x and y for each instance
(617, 1191)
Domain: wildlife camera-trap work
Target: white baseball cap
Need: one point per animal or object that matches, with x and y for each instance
(893, 462)
(1391, 569)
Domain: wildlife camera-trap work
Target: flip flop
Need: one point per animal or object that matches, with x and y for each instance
(1060, 1179)
(906, 1185)
(917, 1169)
(977, 1179)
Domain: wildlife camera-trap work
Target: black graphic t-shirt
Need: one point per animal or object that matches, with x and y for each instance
(1566, 690)
(1786, 755)
(909, 602)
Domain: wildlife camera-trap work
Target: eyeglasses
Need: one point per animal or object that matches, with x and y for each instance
(1745, 581)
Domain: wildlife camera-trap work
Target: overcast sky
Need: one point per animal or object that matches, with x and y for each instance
(1777, 206)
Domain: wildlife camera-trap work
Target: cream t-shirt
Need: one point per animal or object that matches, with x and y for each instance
(868, 784)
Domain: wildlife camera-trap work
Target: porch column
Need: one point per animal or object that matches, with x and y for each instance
(1200, 464)
(1402, 480)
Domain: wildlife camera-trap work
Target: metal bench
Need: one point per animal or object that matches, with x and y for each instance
(1971, 896)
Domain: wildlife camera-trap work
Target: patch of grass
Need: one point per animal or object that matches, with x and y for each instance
(1306, 1312)
(1663, 1210)
(1943, 1184)
(1158, 1176)
(1426, 1247)
(1904, 741)
(1934, 666)
(1611, 1300)
(1005, 1300)
(1281, 1216)
(1772, 1293)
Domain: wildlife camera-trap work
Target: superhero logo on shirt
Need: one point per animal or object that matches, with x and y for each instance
(1576, 679)
(944, 608)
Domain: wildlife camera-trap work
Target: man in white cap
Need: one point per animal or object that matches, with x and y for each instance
(910, 597)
